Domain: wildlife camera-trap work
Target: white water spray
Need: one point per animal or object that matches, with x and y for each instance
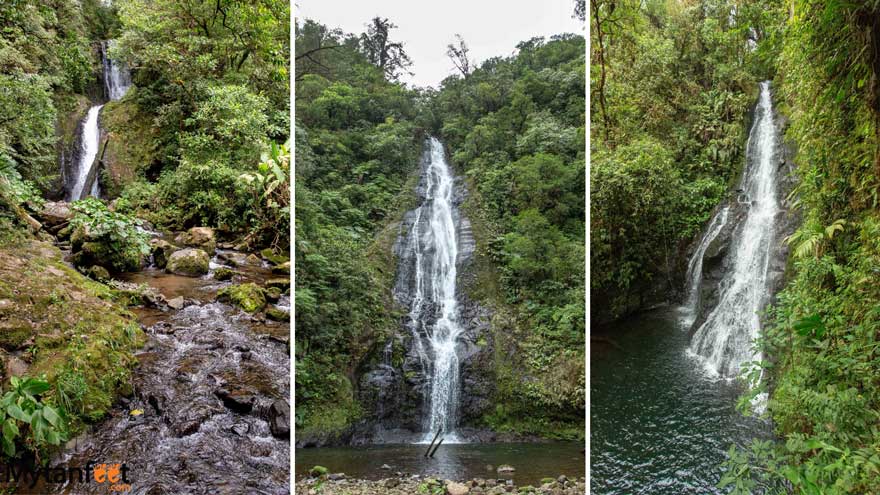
(433, 247)
(724, 342)
(88, 153)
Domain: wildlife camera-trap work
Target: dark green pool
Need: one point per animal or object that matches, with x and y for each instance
(658, 425)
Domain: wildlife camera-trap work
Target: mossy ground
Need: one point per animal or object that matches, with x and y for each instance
(80, 338)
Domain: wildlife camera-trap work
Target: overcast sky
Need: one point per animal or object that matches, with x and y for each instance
(489, 27)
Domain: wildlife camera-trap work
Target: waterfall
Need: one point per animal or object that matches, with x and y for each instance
(724, 340)
(695, 266)
(117, 81)
(87, 154)
(117, 78)
(428, 276)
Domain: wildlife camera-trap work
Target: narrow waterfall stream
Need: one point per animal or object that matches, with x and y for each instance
(88, 152)
(429, 272)
(117, 81)
(724, 341)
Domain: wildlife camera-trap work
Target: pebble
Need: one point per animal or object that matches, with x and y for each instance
(409, 485)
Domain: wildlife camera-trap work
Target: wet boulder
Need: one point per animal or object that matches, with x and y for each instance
(249, 297)
(223, 274)
(98, 273)
(199, 237)
(240, 400)
(276, 314)
(276, 259)
(55, 214)
(281, 283)
(161, 251)
(279, 419)
(188, 262)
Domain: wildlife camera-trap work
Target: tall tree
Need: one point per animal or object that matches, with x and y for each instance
(382, 52)
(458, 53)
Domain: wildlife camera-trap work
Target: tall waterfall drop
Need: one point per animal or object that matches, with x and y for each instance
(117, 81)
(724, 341)
(428, 262)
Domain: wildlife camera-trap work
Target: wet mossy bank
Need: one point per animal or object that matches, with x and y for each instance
(56, 322)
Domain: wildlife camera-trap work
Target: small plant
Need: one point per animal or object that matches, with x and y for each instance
(269, 187)
(121, 242)
(26, 418)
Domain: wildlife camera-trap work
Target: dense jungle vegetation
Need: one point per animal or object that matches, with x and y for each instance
(199, 140)
(515, 129)
(820, 339)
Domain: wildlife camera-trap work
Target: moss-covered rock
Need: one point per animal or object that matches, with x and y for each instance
(249, 296)
(96, 250)
(276, 314)
(282, 269)
(281, 283)
(199, 237)
(223, 273)
(273, 294)
(188, 262)
(272, 257)
(161, 251)
(98, 273)
(318, 471)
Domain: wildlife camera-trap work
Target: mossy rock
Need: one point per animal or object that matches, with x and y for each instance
(282, 269)
(90, 251)
(161, 251)
(281, 283)
(276, 314)
(98, 273)
(273, 294)
(14, 333)
(223, 273)
(318, 471)
(249, 296)
(270, 256)
(188, 262)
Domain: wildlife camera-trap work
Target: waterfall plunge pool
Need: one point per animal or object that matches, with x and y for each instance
(533, 461)
(658, 423)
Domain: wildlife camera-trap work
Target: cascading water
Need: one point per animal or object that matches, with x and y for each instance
(695, 266)
(117, 81)
(117, 78)
(430, 251)
(724, 341)
(88, 153)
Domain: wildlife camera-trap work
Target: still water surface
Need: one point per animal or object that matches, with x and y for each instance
(532, 461)
(658, 424)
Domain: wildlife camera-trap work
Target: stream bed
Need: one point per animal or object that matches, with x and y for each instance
(659, 424)
(210, 380)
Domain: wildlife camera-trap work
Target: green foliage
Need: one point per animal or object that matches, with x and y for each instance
(212, 78)
(356, 145)
(671, 83)
(27, 419)
(119, 234)
(44, 53)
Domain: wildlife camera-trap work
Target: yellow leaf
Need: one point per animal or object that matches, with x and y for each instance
(137, 412)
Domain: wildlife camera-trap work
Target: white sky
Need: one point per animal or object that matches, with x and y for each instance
(489, 27)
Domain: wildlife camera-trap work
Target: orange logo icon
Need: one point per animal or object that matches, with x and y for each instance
(107, 472)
